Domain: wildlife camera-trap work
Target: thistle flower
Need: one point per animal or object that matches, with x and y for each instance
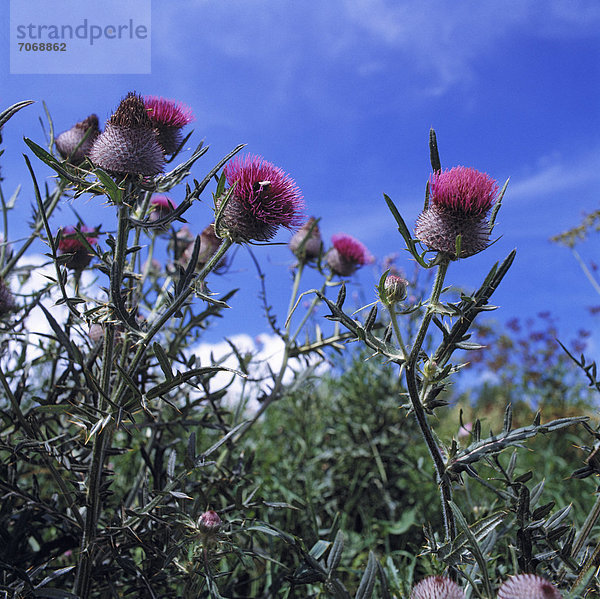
(395, 288)
(209, 523)
(7, 301)
(347, 255)
(67, 141)
(264, 199)
(306, 243)
(459, 201)
(129, 144)
(70, 243)
(437, 587)
(160, 206)
(528, 586)
(168, 117)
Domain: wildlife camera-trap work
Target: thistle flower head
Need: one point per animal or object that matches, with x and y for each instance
(437, 587)
(306, 243)
(264, 199)
(528, 586)
(129, 144)
(209, 523)
(67, 141)
(161, 206)
(347, 255)
(460, 199)
(7, 301)
(395, 288)
(168, 117)
(70, 243)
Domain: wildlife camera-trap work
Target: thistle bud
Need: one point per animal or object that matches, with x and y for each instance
(306, 243)
(437, 587)
(7, 301)
(395, 288)
(209, 523)
(82, 134)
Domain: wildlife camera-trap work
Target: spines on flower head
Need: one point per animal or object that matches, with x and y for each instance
(347, 255)
(264, 199)
(306, 242)
(528, 586)
(129, 144)
(168, 117)
(437, 587)
(68, 141)
(70, 243)
(459, 201)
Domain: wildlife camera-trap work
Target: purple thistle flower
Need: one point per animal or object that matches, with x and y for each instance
(528, 586)
(161, 206)
(264, 199)
(67, 141)
(437, 587)
(129, 144)
(168, 117)
(70, 243)
(306, 243)
(459, 201)
(347, 255)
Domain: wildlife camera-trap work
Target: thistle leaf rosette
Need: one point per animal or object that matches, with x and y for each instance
(456, 220)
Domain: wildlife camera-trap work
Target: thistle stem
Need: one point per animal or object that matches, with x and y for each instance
(413, 391)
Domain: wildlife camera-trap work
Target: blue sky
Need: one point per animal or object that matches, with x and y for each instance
(341, 94)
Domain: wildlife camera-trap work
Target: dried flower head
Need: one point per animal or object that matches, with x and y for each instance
(437, 587)
(129, 144)
(306, 243)
(395, 288)
(71, 243)
(347, 255)
(528, 586)
(77, 135)
(209, 523)
(168, 117)
(7, 301)
(264, 199)
(459, 202)
(160, 207)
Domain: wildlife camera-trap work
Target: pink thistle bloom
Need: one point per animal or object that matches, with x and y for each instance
(168, 117)
(264, 199)
(161, 206)
(129, 144)
(67, 141)
(70, 243)
(347, 255)
(459, 201)
(437, 587)
(528, 586)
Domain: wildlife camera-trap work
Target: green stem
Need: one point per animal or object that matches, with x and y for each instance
(413, 391)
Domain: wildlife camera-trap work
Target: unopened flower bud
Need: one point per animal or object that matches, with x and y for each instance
(306, 243)
(82, 134)
(209, 523)
(96, 332)
(395, 289)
